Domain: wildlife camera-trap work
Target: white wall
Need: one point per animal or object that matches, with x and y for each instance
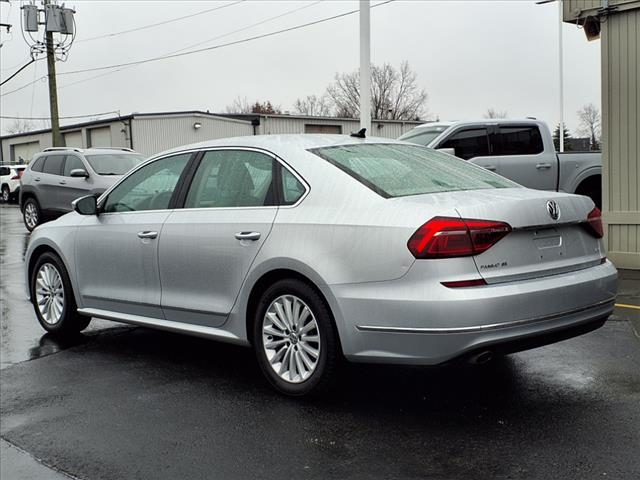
(155, 134)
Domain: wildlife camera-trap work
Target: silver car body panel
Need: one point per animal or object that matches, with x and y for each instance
(352, 245)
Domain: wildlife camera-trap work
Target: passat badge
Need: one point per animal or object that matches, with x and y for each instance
(553, 209)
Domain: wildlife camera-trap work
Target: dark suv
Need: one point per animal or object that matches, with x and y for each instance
(57, 176)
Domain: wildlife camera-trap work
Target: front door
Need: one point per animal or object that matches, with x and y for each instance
(117, 250)
(208, 246)
(72, 187)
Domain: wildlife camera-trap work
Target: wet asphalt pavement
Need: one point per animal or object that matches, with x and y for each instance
(128, 402)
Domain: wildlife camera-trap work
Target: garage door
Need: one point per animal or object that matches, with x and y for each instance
(73, 139)
(23, 152)
(100, 137)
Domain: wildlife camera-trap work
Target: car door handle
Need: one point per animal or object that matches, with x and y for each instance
(62, 182)
(37, 179)
(490, 167)
(247, 235)
(147, 234)
(541, 166)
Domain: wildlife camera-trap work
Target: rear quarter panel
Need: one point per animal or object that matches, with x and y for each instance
(577, 167)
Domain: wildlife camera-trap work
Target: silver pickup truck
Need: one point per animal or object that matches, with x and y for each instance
(521, 150)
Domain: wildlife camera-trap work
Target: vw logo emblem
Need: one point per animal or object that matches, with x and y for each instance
(553, 209)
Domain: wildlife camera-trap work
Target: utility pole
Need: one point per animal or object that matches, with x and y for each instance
(58, 20)
(560, 66)
(365, 66)
(56, 137)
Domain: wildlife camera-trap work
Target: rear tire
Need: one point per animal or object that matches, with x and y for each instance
(294, 339)
(31, 214)
(52, 297)
(592, 188)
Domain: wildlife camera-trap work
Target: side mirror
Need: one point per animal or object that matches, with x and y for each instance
(86, 205)
(450, 151)
(79, 172)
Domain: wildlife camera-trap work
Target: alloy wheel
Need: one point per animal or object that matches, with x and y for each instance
(49, 293)
(291, 338)
(5, 195)
(31, 215)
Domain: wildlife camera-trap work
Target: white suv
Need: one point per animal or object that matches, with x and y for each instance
(10, 181)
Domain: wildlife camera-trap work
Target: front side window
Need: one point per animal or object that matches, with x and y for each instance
(468, 143)
(114, 163)
(72, 163)
(232, 178)
(53, 164)
(517, 140)
(4, 171)
(396, 170)
(149, 188)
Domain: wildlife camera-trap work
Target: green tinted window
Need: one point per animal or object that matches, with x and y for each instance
(149, 188)
(394, 170)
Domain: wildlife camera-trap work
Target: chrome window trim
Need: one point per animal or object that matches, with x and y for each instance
(273, 156)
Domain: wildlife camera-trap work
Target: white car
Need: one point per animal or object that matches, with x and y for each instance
(10, 181)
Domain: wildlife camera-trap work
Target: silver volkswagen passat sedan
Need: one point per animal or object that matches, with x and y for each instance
(314, 248)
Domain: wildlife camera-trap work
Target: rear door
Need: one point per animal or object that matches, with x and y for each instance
(523, 157)
(472, 144)
(48, 183)
(208, 246)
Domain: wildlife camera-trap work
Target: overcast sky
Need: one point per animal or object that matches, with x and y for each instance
(469, 56)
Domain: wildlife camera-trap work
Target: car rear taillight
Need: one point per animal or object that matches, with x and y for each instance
(593, 225)
(443, 237)
(465, 283)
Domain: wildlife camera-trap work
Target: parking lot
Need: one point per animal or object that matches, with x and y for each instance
(128, 402)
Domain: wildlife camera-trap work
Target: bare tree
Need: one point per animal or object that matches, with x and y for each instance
(589, 124)
(395, 94)
(492, 113)
(313, 105)
(20, 126)
(239, 105)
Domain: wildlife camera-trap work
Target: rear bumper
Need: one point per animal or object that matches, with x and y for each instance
(415, 320)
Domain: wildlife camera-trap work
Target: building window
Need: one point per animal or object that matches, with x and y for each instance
(331, 129)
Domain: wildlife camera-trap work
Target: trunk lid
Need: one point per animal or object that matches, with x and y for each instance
(539, 245)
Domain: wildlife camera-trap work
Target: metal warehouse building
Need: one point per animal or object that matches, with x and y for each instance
(150, 133)
(619, 23)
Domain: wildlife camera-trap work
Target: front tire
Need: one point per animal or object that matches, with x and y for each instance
(52, 297)
(31, 214)
(5, 196)
(294, 338)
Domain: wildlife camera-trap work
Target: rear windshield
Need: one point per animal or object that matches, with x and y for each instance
(114, 163)
(399, 170)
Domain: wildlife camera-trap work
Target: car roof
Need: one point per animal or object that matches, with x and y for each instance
(92, 151)
(484, 121)
(281, 144)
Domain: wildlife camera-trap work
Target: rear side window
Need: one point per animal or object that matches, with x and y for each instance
(400, 170)
(468, 143)
(292, 189)
(4, 171)
(232, 178)
(517, 140)
(37, 164)
(53, 164)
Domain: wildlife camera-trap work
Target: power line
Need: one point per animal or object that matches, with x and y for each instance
(19, 70)
(222, 45)
(106, 35)
(288, 12)
(214, 47)
(7, 117)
